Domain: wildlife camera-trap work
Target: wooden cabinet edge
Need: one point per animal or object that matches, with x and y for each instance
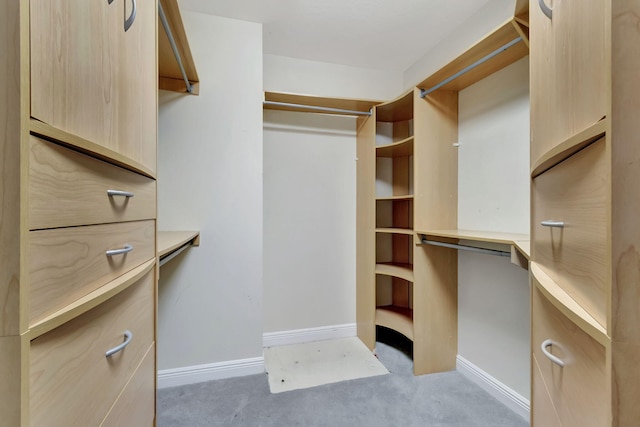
(90, 301)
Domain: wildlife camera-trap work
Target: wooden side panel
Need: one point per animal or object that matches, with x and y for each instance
(569, 71)
(543, 413)
(365, 231)
(9, 168)
(11, 383)
(436, 161)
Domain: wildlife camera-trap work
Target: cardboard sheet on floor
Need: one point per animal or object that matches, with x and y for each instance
(292, 367)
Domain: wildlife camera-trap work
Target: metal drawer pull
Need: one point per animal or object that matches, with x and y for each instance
(128, 336)
(554, 359)
(112, 193)
(546, 9)
(126, 249)
(129, 22)
(550, 223)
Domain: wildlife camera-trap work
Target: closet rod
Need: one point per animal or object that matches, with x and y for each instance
(466, 248)
(425, 92)
(172, 42)
(317, 108)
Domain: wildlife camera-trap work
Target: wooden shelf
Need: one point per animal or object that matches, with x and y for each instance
(402, 271)
(569, 147)
(170, 243)
(401, 148)
(362, 105)
(495, 40)
(398, 110)
(406, 231)
(568, 306)
(395, 198)
(170, 77)
(400, 319)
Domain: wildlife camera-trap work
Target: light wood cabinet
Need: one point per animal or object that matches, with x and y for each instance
(77, 260)
(585, 179)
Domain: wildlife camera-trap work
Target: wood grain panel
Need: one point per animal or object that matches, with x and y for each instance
(11, 384)
(167, 64)
(136, 405)
(9, 168)
(543, 413)
(91, 78)
(625, 384)
(68, 263)
(576, 256)
(579, 390)
(575, 94)
(68, 363)
(365, 230)
(68, 188)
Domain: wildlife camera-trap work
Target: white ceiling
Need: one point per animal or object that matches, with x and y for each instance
(378, 34)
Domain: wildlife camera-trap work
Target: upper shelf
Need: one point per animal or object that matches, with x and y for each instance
(309, 103)
(508, 32)
(397, 110)
(170, 75)
(171, 243)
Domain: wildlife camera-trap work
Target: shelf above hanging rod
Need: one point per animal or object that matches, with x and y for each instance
(287, 105)
(426, 241)
(168, 78)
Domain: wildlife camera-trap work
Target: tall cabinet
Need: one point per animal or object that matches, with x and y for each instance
(78, 268)
(585, 268)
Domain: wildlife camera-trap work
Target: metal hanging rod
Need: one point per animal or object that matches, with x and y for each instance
(466, 248)
(425, 92)
(172, 42)
(317, 108)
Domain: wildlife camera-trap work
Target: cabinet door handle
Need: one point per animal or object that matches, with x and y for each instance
(128, 336)
(112, 193)
(126, 249)
(551, 223)
(555, 359)
(545, 9)
(129, 21)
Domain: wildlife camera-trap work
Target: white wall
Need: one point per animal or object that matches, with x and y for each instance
(309, 220)
(283, 74)
(210, 179)
(493, 194)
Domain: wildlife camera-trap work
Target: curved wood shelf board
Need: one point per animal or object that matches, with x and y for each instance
(392, 198)
(397, 110)
(170, 77)
(569, 147)
(401, 148)
(402, 271)
(169, 241)
(85, 146)
(495, 40)
(363, 105)
(395, 231)
(568, 306)
(90, 300)
(400, 319)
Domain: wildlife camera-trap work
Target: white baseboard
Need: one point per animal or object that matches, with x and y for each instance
(495, 388)
(211, 371)
(301, 336)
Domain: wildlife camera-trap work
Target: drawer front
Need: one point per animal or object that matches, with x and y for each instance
(543, 413)
(66, 264)
(72, 382)
(579, 390)
(67, 188)
(137, 403)
(575, 256)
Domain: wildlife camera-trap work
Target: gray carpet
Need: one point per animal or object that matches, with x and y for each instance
(397, 399)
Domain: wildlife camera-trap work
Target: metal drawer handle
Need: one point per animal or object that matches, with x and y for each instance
(551, 223)
(554, 359)
(129, 21)
(126, 249)
(545, 9)
(128, 336)
(112, 193)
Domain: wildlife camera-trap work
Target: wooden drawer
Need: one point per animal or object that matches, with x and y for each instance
(576, 193)
(578, 390)
(66, 264)
(137, 404)
(68, 188)
(543, 413)
(72, 382)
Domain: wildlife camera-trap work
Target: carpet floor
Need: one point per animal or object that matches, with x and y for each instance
(397, 399)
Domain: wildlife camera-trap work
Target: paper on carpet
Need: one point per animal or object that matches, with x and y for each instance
(297, 366)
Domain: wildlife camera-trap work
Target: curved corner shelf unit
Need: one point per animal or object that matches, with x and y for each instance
(399, 319)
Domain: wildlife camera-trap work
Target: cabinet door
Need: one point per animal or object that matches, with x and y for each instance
(569, 70)
(93, 79)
